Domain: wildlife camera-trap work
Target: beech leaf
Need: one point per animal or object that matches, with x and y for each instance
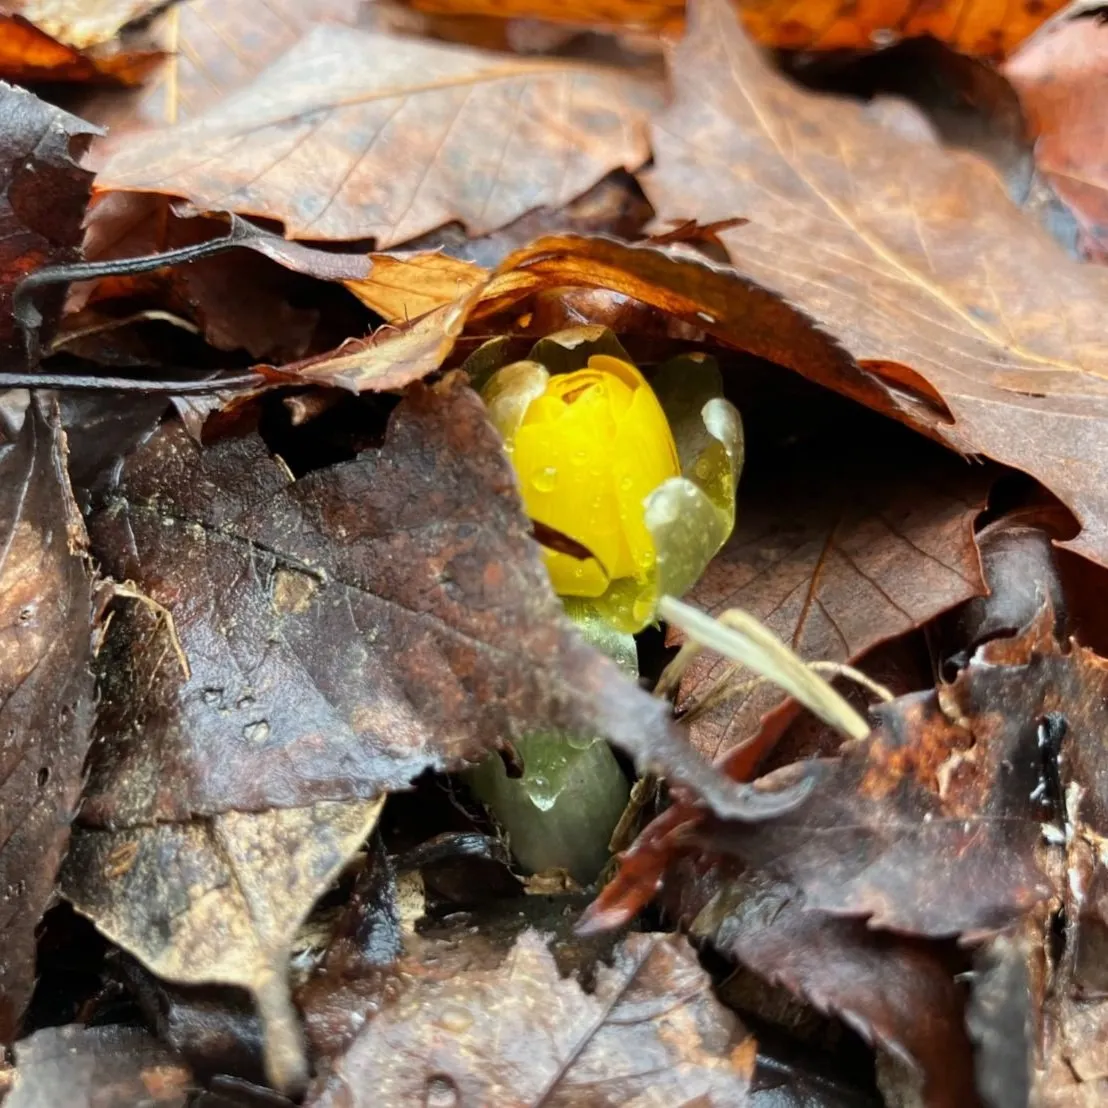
(46, 689)
(650, 1032)
(356, 134)
(971, 323)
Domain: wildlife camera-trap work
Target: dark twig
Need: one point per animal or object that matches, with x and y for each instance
(29, 318)
(125, 384)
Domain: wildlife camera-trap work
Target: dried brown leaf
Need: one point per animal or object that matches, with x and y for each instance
(32, 51)
(44, 193)
(403, 287)
(220, 900)
(899, 993)
(837, 548)
(356, 135)
(518, 1033)
(971, 323)
(46, 689)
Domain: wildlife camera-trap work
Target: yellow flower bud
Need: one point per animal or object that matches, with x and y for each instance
(589, 450)
(598, 463)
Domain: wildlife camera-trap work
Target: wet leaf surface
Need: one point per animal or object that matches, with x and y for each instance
(413, 564)
(46, 689)
(975, 326)
(220, 901)
(898, 992)
(548, 131)
(44, 193)
(515, 1031)
(865, 550)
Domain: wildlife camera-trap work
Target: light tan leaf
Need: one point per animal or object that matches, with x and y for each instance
(402, 287)
(356, 134)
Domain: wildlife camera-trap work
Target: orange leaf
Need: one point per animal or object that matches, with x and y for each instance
(988, 27)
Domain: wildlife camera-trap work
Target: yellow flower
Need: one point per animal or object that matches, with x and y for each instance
(598, 463)
(588, 451)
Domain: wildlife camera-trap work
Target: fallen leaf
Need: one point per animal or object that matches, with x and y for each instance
(403, 287)
(517, 1032)
(220, 901)
(393, 356)
(31, 52)
(977, 27)
(356, 135)
(216, 47)
(837, 547)
(98, 1067)
(1061, 76)
(970, 322)
(46, 688)
(43, 194)
(897, 992)
(82, 23)
(346, 631)
(930, 826)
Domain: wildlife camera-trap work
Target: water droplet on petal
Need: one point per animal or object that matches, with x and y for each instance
(626, 482)
(703, 469)
(545, 479)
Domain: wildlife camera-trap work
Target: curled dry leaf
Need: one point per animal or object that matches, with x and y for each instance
(894, 991)
(402, 287)
(43, 193)
(220, 901)
(46, 689)
(837, 548)
(98, 1067)
(1061, 76)
(518, 1032)
(968, 320)
(393, 356)
(357, 134)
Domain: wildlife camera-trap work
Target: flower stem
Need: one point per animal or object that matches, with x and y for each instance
(561, 813)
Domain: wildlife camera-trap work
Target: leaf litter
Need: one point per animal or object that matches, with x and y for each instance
(255, 641)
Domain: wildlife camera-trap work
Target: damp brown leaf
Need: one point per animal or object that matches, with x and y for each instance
(220, 901)
(98, 1067)
(46, 688)
(897, 992)
(335, 636)
(356, 134)
(1061, 76)
(43, 193)
(516, 1031)
(969, 321)
(837, 548)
